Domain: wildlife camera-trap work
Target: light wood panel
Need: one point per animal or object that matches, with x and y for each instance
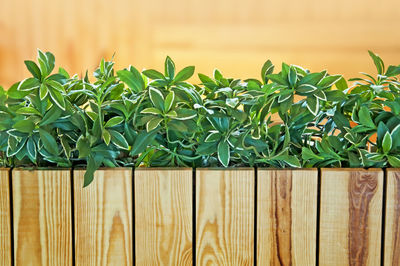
(351, 216)
(225, 217)
(392, 219)
(236, 36)
(5, 228)
(287, 217)
(163, 216)
(42, 217)
(103, 218)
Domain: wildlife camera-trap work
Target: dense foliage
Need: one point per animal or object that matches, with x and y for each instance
(291, 118)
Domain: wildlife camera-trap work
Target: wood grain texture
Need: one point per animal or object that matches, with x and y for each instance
(163, 216)
(42, 217)
(5, 228)
(225, 217)
(335, 34)
(286, 217)
(351, 216)
(103, 218)
(392, 219)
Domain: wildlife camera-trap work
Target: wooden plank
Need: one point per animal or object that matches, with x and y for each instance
(287, 217)
(42, 217)
(103, 218)
(5, 228)
(225, 217)
(163, 217)
(351, 216)
(392, 219)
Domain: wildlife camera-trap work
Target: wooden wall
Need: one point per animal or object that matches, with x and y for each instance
(203, 217)
(235, 36)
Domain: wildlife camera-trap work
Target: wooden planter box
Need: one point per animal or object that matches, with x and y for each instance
(208, 216)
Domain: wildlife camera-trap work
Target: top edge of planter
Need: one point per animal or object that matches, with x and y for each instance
(359, 169)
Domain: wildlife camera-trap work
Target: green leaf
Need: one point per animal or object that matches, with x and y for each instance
(341, 84)
(51, 115)
(292, 76)
(184, 74)
(153, 123)
(48, 141)
(169, 101)
(224, 153)
(142, 140)
(380, 67)
(93, 163)
(25, 126)
(114, 121)
(387, 142)
(156, 98)
(33, 68)
(83, 147)
(106, 137)
(308, 154)
(132, 78)
(28, 111)
(365, 117)
(394, 161)
(213, 137)
(153, 74)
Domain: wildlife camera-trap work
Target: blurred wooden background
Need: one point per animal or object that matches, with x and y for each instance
(235, 36)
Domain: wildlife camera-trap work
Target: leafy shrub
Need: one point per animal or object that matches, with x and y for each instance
(149, 118)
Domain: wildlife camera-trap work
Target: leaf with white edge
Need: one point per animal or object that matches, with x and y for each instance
(132, 78)
(156, 98)
(106, 136)
(387, 142)
(31, 148)
(185, 114)
(43, 91)
(306, 88)
(224, 153)
(151, 110)
(320, 95)
(114, 121)
(118, 139)
(312, 105)
(213, 137)
(292, 76)
(329, 81)
(57, 98)
(169, 101)
(153, 123)
(169, 68)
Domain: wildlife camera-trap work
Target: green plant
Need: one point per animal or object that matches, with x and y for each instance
(149, 118)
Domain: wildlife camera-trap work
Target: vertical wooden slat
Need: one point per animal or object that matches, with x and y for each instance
(287, 217)
(42, 217)
(392, 219)
(225, 217)
(103, 218)
(351, 216)
(163, 217)
(5, 228)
